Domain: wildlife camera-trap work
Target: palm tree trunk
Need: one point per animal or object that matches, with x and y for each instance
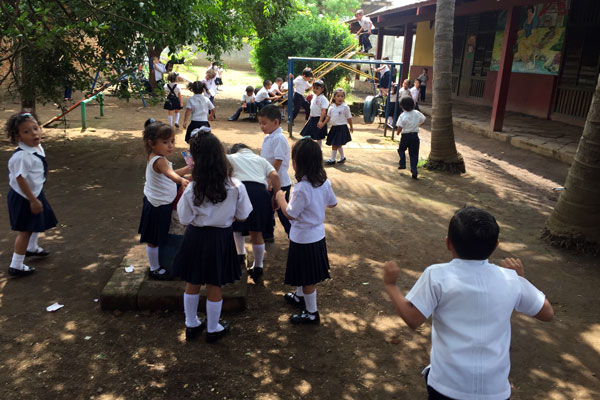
(575, 221)
(443, 155)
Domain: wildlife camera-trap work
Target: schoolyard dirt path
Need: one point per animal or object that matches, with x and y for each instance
(360, 351)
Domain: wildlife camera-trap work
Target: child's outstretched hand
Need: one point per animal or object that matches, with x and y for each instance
(390, 273)
(184, 183)
(36, 206)
(515, 264)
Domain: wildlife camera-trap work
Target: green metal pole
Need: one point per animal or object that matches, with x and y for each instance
(101, 101)
(83, 115)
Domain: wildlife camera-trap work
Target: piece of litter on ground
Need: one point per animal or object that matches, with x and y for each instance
(558, 189)
(54, 307)
(129, 269)
(87, 338)
(365, 283)
(95, 300)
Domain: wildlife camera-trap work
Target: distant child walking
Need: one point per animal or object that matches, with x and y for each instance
(339, 134)
(160, 191)
(210, 80)
(471, 302)
(307, 262)
(199, 108)
(316, 126)
(301, 85)
(174, 101)
(29, 211)
(408, 126)
(208, 206)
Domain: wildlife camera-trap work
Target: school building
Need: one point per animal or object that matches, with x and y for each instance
(549, 68)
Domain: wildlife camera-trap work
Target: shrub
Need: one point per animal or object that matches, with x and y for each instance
(302, 36)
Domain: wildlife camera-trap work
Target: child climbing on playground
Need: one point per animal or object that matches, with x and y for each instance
(29, 211)
(199, 108)
(316, 126)
(339, 134)
(366, 28)
(208, 206)
(307, 261)
(257, 175)
(301, 85)
(471, 302)
(408, 127)
(160, 190)
(174, 101)
(248, 105)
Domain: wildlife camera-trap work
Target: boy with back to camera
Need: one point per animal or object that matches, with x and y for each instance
(471, 301)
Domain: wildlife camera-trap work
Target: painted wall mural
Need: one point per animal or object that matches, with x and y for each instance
(539, 41)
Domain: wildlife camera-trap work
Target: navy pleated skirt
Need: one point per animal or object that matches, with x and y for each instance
(194, 125)
(172, 103)
(21, 217)
(339, 135)
(311, 129)
(155, 223)
(262, 210)
(307, 263)
(207, 256)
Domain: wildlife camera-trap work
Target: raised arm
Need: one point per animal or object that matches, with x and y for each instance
(404, 308)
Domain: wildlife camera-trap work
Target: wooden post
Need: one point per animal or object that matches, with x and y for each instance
(379, 51)
(504, 71)
(406, 50)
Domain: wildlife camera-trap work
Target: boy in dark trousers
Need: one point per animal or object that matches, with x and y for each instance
(471, 302)
(408, 126)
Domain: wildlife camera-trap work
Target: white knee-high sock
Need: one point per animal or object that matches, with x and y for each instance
(177, 117)
(299, 291)
(17, 261)
(239, 243)
(33, 242)
(190, 306)
(152, 253)
(333, 154)
(171, 120)
(311, 301)
(258, 250)
(213, 313)
(341, 150)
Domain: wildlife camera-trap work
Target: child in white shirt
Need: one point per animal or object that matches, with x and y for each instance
(471, 302)
(264, 95)
(173, 103)
(408, 123)
(339, 134)
(199, 108)
(316, 126)
(307, 262)
(301, 85)
(248, 105)
(366, 28)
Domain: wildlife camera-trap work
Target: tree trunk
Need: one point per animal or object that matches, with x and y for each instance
(443, 155)
(151, 54)
(575, 221)
(27, 72)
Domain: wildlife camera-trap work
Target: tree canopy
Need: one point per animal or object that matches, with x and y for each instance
(331, 8)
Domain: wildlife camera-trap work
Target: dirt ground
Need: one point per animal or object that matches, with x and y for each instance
(360, 351)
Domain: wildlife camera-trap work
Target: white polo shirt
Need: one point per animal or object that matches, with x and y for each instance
(262, 95)
(173, 86)
(366, 23)
(472, 302)
(339, 114)
(24, 163)
(159, 189)
(159, 70)
(300, 85)
(414, 92)
(409, 121)
(317, 104)
(211, 86)
(200, 106)
(248, 166)
(276, 147)
(247, 99)
(236, 205)
(307, 207)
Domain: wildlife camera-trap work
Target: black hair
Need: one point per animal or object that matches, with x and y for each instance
(271, 112)
(278, 79)
(407, 103)
(321, 84)
(155, 130)
(307, 72)
(473, 233)
(249, 89)
(237, 147)
(12, 124)
(197, 87)
(172, 77)
(426, 69)
(532, 8)
(267, 82)
(308, 159)
(211, 169)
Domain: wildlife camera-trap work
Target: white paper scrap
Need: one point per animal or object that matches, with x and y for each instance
(129, 269)
(54, 307)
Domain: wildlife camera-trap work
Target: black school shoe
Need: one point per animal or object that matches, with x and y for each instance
(306, 317)
(341, 160)
(212, 337)
(256, 274)
(39, 253)
(193, 333)
(21, 272)
(156, 275)
(295, 300)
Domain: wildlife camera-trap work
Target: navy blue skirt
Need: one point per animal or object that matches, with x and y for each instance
(21, 217)
(262, 210)
(194, 125)
(207, 256)
(339, 135)
(155, 223)
(311, 129)
(172, 103)
(307, 263)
